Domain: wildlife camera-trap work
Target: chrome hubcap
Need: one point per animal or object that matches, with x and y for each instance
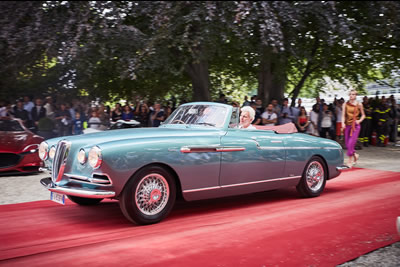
(315, 176)
(152, 194)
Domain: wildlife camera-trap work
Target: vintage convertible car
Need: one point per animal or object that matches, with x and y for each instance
(197, 153)
(18, 148)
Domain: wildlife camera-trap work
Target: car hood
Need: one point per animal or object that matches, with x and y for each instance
(14, 142)
(88, 140)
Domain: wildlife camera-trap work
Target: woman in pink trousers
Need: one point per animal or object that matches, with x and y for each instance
(351, 123)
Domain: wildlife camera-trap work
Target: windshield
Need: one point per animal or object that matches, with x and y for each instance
(207, 115)
(11, 126)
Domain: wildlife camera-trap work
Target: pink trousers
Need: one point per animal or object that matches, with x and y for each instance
(351, 141)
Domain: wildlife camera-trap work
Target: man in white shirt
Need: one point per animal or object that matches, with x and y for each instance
(50, 110)
(246, 117)
(269, 117)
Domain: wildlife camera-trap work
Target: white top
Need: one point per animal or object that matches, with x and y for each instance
(326, 121)
(251, 127)
(314, 117)
(269, 116)
(49, 110)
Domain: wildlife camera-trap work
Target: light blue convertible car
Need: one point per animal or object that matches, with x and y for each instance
(197, 153)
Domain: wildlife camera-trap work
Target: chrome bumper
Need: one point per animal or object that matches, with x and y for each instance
(75, 191)
(342, 168)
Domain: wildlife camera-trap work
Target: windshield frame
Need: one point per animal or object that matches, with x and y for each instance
(223, 125)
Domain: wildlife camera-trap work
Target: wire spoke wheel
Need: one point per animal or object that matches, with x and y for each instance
(148, 197)
(315, 176)
(152, 194)
(313, 181)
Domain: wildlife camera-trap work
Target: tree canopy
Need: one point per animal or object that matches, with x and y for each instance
(193, 49)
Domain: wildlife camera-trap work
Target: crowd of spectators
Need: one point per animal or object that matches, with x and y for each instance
(50, 119)
(324, 119)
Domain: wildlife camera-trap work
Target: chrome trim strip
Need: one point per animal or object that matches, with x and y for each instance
(60, 159)
(79, 177)
(89, 183)
(78, 192)
(292, 148)
(263, 181)
(276, 141)
(206, 149)
(103, 174)
(91, 180)
(201, 189)
(100, 181)
(271, 147)
(241, 184)
(231, 149)
(308, 147)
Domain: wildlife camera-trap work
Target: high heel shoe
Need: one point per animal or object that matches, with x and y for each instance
(356, 156)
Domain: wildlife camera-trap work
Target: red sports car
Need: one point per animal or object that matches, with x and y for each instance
(18, 148)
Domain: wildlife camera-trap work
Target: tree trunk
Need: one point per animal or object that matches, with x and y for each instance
(307, 72)
(272, 77)
(298, 87)
(198, 73)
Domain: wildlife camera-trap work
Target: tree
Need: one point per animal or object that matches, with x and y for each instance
(117, 49)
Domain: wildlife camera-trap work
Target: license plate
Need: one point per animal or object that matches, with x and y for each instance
(56, 197)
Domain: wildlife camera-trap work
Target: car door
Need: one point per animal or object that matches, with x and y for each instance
(251, 157)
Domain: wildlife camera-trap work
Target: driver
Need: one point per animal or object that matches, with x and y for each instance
(246, 117)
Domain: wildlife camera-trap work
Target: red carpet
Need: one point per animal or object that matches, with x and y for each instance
(355, 215)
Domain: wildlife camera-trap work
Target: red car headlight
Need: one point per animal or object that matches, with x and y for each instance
(31, 148)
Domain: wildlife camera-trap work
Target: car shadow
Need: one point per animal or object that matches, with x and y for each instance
(108, 211)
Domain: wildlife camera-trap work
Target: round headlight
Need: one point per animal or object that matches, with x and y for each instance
(95, 158)
(43, 150)
(82, 156)
(52, 152)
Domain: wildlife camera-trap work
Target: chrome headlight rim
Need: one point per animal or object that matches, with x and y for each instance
(82, 156)
(95, 157)
(52, 152)
(43, 150)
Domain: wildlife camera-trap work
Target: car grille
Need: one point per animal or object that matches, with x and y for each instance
(60, 159)
(9, 159)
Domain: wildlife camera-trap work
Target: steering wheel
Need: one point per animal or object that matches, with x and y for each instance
(178, 122)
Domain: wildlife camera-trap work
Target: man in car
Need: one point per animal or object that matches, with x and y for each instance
(246, 117)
